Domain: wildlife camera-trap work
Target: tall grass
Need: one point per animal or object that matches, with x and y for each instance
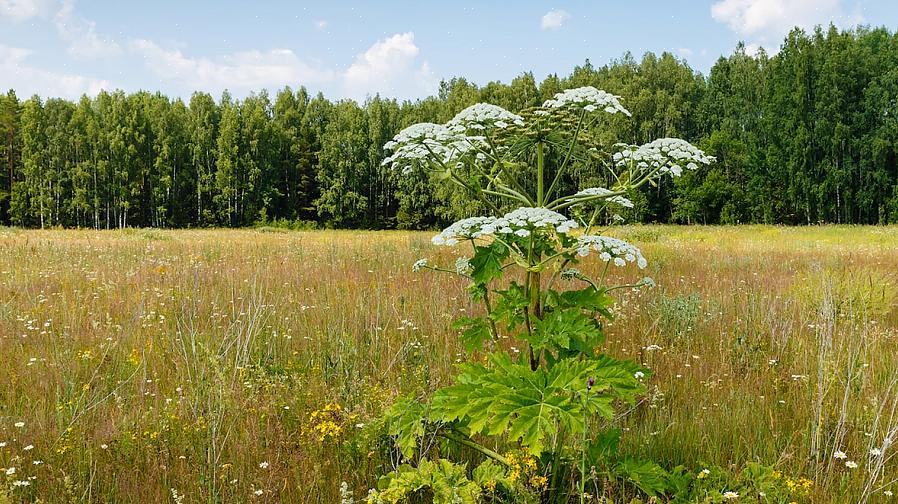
(145, 365)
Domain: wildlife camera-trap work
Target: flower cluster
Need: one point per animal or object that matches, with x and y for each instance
(326, 422)
(526, 219)
(465, 229)
(601, 191)
(463, 266)
(521, 222)
(426, 141)
(668, 155)
(589, 99)
(481, 116)
(611, 249)
(521, 465)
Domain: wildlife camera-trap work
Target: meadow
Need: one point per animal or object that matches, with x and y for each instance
(252, 365)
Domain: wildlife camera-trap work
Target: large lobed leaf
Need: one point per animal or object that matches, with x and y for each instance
(532, 405)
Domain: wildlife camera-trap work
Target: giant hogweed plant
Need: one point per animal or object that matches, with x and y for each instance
(534, 382)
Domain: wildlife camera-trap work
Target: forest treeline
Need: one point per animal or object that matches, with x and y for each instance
(807, 135)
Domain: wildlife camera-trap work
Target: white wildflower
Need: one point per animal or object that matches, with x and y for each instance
(481, 116)
(28, 448)
(875, 452)
(609, 249)
(426, 142)
(462, 230)
(887, 493)
(730, 495)
(851, 464)
(840, 455)
(529, 219)
(346, 496)
(521, 222)
(667, 155)
(259, 492)
(263, 465)
(601, 191)
(19, 424)
(648, 282)
(463, 266)
(21, 483)
(420, 263)
(587, 98)
(10, 471)
(639, 375)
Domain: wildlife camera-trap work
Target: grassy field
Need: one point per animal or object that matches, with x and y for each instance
(249, 366)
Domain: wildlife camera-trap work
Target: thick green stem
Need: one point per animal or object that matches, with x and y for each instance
(494, 331)
(533, 310)
(471, 444)
(540, 175)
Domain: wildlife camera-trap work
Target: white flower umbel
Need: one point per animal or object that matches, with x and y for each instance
(481, 116)
(464, 229)
(425, 142)
(524, 220)
(601, 191)
(587, 98)
(521, 222)
(463, 266)
(419, 264)
(667, 155)
(611, 249)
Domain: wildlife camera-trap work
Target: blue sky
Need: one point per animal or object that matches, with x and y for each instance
(353, 49)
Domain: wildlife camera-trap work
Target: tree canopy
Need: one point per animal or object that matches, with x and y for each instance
(807, 135)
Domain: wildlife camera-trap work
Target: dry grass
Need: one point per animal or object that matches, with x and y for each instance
(146, 361)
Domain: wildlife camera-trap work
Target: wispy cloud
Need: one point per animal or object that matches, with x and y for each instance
(22, 10)
(27, 79)
(554, 19)
(241, 71)
(389, 67)
(765, 22)
(83, 40)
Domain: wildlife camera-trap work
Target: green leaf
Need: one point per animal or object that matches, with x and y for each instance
(509, 309)
(566, 330)
(646, 475)
(447, 482)
(603, 448)
(487, 262)
(531, 405)
(405, 420)
(490, 471)
(475, 332)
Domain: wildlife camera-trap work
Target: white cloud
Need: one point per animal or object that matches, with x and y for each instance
(22, 10)
(555, 19)
(684, 52)
(27, 80)
(752, 49)
(768, 21)
(81, 35)
(242, 71)
(388, 67)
